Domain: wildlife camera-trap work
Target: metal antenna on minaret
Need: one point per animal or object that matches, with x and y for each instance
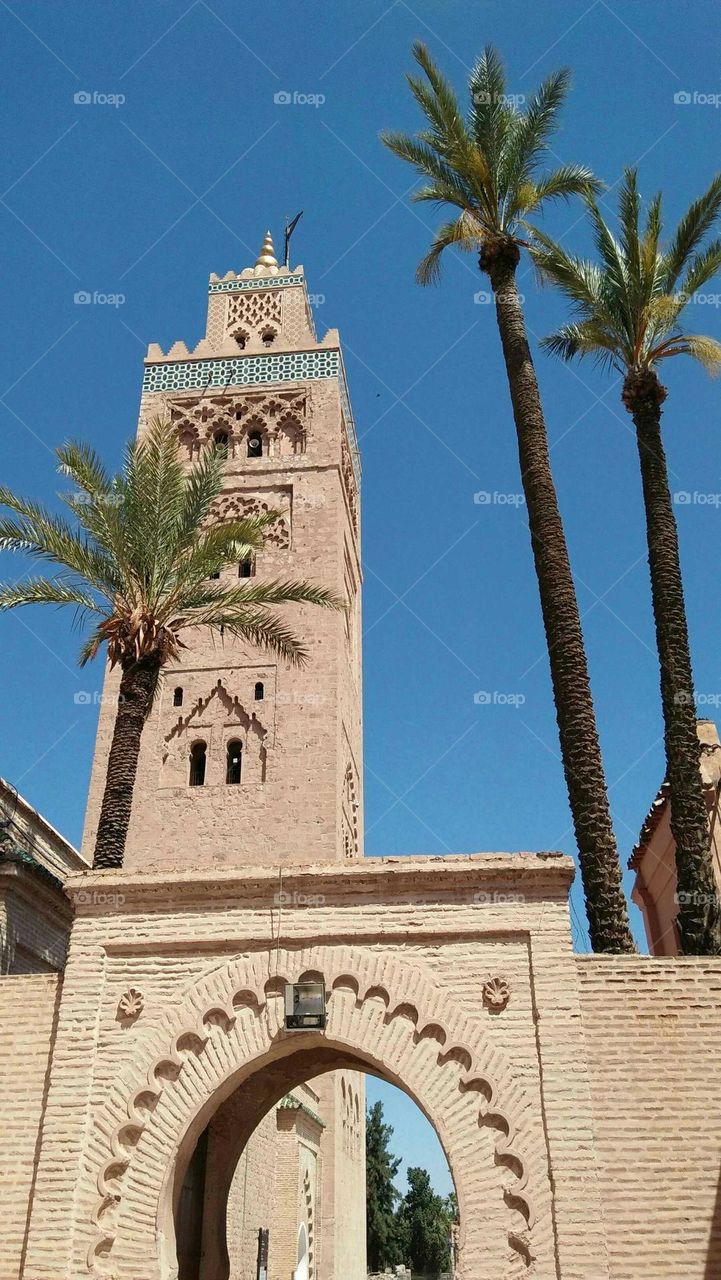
(289, 229)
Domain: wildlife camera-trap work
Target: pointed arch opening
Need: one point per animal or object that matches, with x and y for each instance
(198, 763)
(233, 761)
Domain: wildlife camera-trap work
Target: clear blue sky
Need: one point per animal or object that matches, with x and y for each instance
(146, 198)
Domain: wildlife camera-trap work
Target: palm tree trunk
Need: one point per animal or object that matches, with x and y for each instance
(136, 693)
(580, 749)
(699, 917)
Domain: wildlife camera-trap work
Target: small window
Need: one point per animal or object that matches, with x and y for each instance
(255, 445)
(245, 569)
(234, 756)
(178, 697)
(268, 337)
(259, 691)
(198, 754)
(220, 442)
(214, 576)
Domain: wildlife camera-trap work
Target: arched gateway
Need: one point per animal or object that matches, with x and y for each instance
(384, 1015)
(453, 978)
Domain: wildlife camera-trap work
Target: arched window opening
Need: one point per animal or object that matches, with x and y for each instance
(178, 697)
(234, 758)
(302, 1271)
(255, 445)
(198, 755)
(259, 691)
(220, 442)
(245, 569)
(268, 337)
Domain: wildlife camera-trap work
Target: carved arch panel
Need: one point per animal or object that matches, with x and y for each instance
(394, 1019)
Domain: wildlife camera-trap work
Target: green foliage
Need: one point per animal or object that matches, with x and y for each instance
(628, 305)
(138, 555)
(383, 1244)
(414, 1229)
(487, 163)
(425, 1220)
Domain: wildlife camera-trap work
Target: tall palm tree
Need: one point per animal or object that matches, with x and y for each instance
(138, 561)
(629, 308)
(488, 165)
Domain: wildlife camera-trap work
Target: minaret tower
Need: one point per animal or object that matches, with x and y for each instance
(246, 760)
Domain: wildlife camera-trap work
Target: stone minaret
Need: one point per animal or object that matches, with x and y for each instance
(246, 760)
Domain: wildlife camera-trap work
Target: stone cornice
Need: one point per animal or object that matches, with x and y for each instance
(537, 875)
(41, 892)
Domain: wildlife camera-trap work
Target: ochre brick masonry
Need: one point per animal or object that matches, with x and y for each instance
(577, 1098)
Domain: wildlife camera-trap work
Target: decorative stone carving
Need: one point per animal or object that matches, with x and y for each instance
(496, 993)
(239, 505)
(253, 310)
(279, 418)
(130, 1004)
(252, 1003)
(350, 814)
(349, 480)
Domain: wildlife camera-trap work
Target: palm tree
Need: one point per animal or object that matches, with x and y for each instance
(488, 165)
(628, 310)
(139, 562)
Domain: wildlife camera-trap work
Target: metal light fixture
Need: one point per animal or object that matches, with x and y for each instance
(305, 1006)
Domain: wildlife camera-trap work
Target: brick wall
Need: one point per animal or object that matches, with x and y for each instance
(34, 924)
(652, 1028)
(27, 1019)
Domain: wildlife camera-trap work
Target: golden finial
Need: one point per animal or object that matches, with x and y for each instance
(267, 258)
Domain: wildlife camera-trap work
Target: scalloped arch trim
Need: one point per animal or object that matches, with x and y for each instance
(380, 1006)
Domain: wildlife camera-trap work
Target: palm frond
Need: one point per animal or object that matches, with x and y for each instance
(484, 164)
(464, 232)
(48, 537)
(264, 630)
(629, 208)
(203, 607)
(562, 184)
(691, 232)
(438, 101)
(46, 591)
(579, 280)
(430, 165)
(82, 464)
(702, 267)
(627, 313)
(583, 339)
(700, 346)
(530, 131)
(491, 116)
(203, 484)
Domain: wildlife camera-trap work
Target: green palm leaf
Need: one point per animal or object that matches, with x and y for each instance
(488, 163)
(627, 312)
(142, 551)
